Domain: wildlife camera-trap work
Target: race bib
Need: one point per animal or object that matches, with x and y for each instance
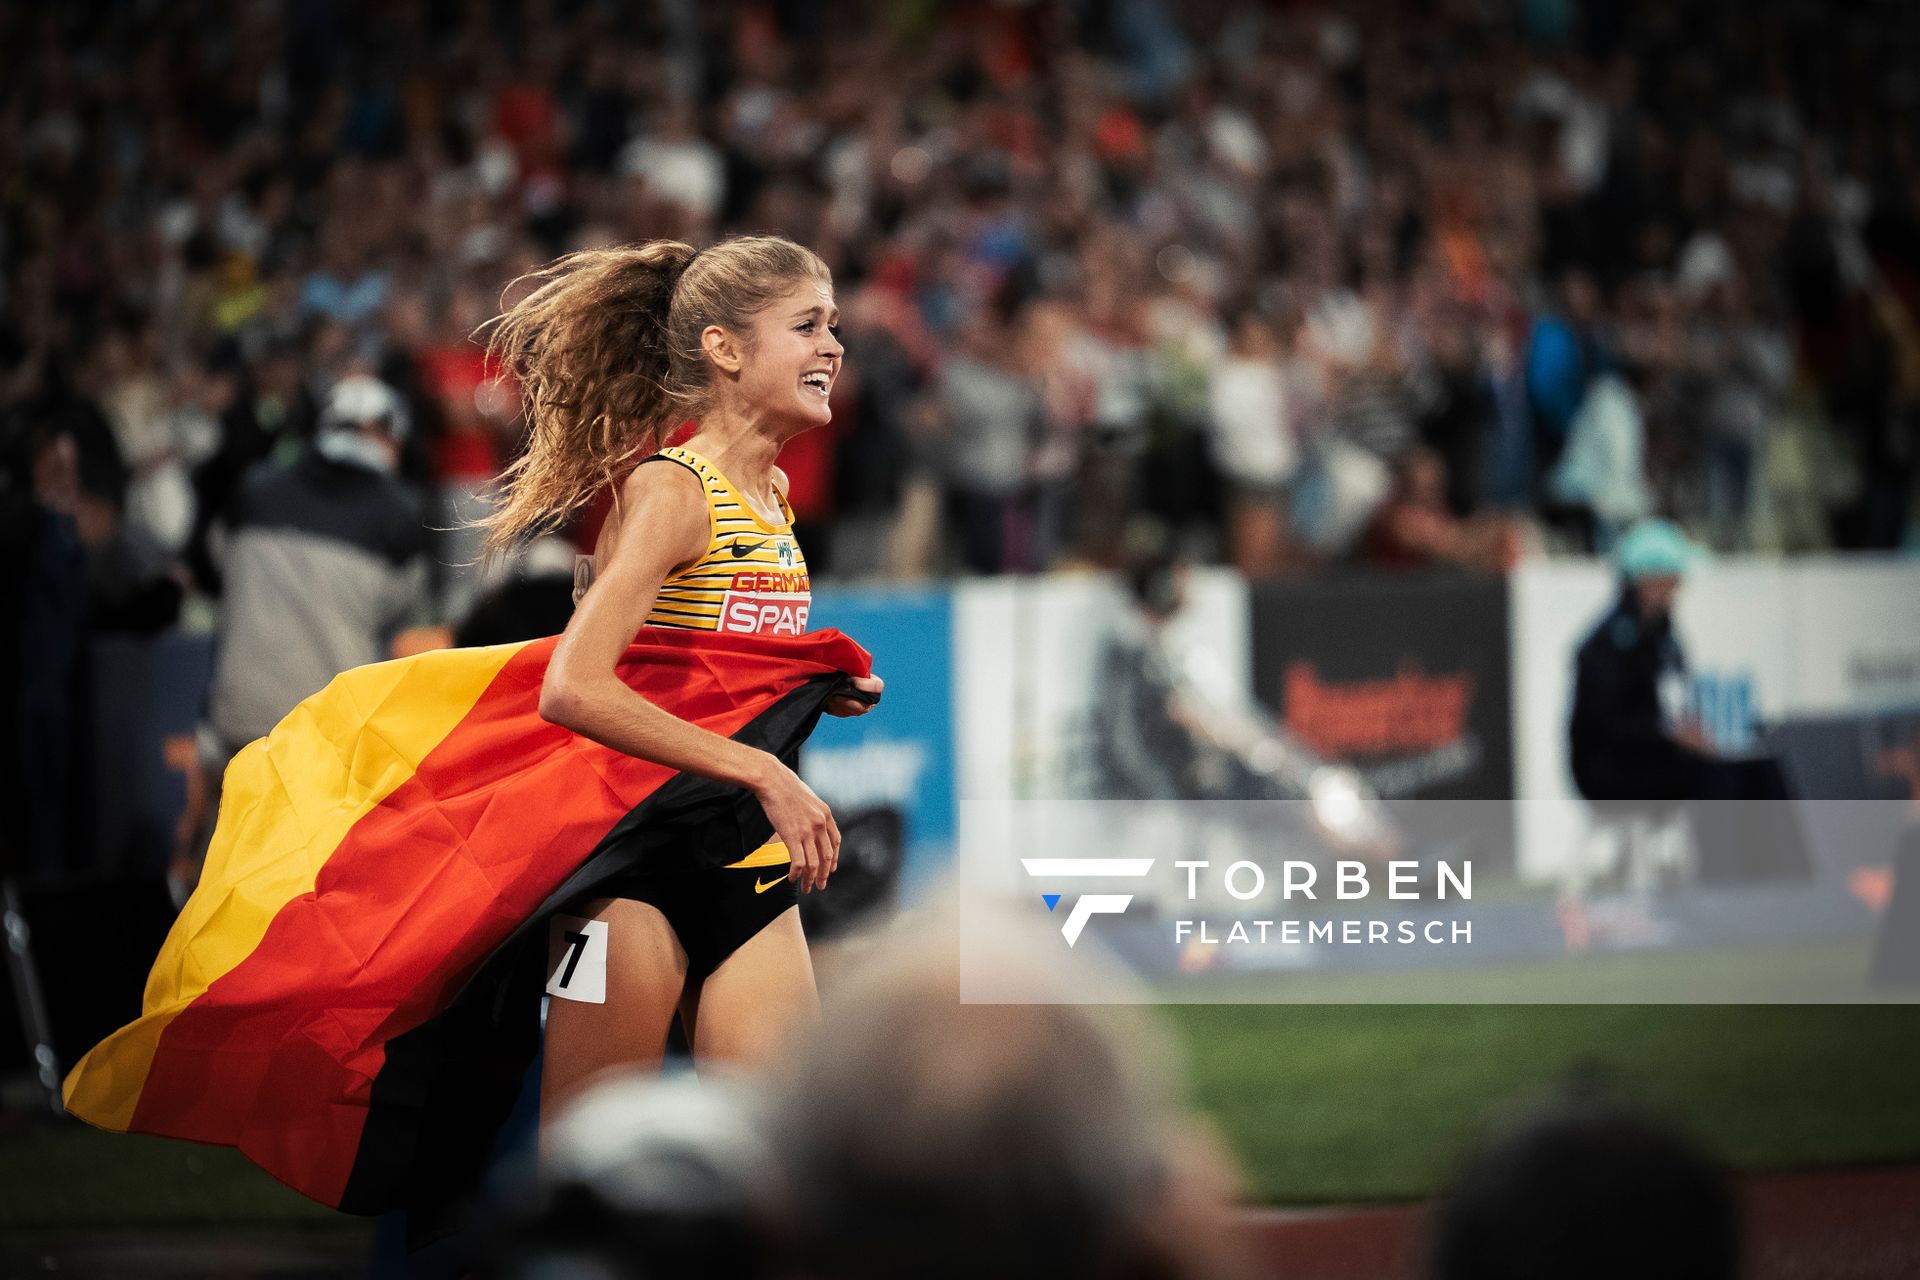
(577, 959)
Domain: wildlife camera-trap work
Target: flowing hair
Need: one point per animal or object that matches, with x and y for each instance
(607, 351)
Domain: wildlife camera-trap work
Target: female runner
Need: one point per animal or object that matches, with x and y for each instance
(615, 349)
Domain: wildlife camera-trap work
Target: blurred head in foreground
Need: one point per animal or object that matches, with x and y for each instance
(931, 1138)
(1587, 1189)
(643, 1177)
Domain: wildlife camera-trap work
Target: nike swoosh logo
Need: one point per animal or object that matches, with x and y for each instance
(745, 549)
(762, 888)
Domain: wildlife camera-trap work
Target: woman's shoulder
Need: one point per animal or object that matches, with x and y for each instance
(670, 471)
(662, 493)
(666, 505)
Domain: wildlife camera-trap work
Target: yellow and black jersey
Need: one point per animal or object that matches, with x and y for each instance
(752, 577)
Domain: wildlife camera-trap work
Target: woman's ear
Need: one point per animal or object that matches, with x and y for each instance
(721, 347)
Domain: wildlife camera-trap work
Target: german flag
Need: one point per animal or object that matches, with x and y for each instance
(351, 995)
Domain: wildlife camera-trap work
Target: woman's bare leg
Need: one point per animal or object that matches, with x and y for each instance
(646, 969)
(750, 1006)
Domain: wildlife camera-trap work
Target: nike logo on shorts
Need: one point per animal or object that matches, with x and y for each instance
(758, 887)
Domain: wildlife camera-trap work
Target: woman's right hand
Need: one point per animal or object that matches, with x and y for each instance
(803, 821)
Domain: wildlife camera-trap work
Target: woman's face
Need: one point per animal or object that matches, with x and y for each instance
(789, 367)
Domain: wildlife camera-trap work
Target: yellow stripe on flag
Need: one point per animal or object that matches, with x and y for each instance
(288, 801)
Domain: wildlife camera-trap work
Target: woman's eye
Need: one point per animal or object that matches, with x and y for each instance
(806, 326)
(834, 329)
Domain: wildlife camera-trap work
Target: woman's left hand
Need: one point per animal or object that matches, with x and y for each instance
(841, 705)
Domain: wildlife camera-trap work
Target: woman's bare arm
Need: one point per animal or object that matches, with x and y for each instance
(667, 526)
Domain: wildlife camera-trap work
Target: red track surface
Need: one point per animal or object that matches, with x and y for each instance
(1849, 1224)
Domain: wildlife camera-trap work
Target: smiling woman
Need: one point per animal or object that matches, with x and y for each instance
(615, 350)
(621, 797)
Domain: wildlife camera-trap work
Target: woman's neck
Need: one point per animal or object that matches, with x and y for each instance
(744, 449)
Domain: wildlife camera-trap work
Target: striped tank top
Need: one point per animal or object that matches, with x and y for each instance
(751, 578)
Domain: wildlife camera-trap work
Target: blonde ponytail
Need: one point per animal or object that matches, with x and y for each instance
(607, 351)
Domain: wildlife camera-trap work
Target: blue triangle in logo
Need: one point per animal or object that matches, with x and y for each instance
(1051, 899)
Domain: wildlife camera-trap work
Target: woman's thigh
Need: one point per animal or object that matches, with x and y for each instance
(757, 998)
(646, 970)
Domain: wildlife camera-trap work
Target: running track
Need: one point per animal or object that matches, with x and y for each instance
(1850, 1224)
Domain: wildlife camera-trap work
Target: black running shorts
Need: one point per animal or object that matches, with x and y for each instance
(716, 910)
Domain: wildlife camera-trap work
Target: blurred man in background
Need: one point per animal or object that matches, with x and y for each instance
(1631, 738)
(324, 564)
(1635, 737)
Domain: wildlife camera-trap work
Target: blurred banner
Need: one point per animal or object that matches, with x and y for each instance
(1855, 630)
(1047, 671)
(1404, 677)
(899, 760)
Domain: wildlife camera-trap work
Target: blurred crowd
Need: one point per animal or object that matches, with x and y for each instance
(1396, 283)
(914, 1134)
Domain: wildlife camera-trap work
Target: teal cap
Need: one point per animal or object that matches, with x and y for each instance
(1654, 549)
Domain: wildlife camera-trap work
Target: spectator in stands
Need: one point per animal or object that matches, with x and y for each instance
(1587, 1189)
(324, 563)
(1564, 355)
(990, 419)
(1253, 445)
(1460, 414)
(1746, 368)
(1355, 418)
(159, 434)
(43, 599)
(270, 415)
(1414, 528)
(1599, 485)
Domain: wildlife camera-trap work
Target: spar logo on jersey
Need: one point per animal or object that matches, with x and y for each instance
(767, 602)
(1087, 905)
